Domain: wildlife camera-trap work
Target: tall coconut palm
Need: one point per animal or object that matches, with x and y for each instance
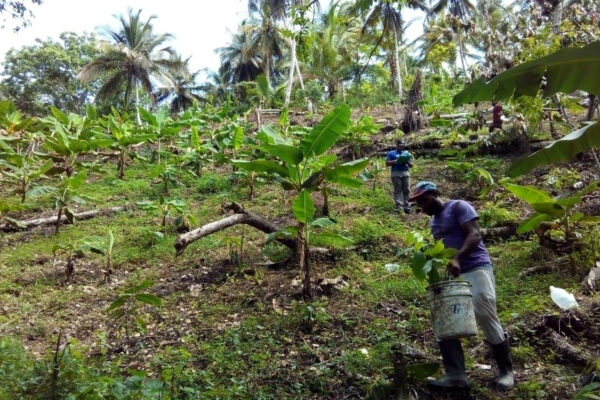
(240, 60)
(280, 11)
(387, 16)
(130, 60)
(266, 36)
(181, 87)
(332, 50)
(459, 17)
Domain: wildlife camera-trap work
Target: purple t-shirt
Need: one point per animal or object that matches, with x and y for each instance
(446, 226)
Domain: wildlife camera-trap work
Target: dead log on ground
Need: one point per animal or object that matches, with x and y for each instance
(241, 216)
(592, 280)
(499, 232)
(32, 223)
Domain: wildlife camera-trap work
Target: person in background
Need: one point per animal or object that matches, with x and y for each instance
(496, 116)
(401, 161)
(455, 223)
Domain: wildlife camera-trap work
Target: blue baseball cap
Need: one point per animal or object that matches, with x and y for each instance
(422, 188)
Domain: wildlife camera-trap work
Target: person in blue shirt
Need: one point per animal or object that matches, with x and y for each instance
(401, 161)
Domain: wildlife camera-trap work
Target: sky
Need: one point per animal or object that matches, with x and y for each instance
(199, 27)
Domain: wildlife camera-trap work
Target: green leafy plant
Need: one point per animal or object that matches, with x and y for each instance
(66, 193)
(359, 133)
(125, 135)
(73, 250)
(304, 168)
(470, 173)
(566, 70)
(103, 245)
(7, 208)
(426, 258)
(72, 135)
(548, 208)
(126, 310)
(167, 209)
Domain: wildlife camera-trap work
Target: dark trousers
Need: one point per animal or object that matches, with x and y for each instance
(401, 191)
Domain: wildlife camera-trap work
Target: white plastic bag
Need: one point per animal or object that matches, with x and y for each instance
(562, 298)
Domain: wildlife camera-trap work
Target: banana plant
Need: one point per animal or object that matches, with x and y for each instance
(303, 168)
(7, 208)
(73, 135)
(565, 70)
(168, 173)
(359, 133)
(125, 135)
(66, 193)
(167, 208)
(103, 245)
(73, 250)
(161, 126)
(22, 171)
(125, 310)
(547, 208)
(198, 153)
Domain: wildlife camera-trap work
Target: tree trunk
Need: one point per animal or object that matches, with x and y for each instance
(309, 105)
(461, 52)
(290, 82)
(241, 216)
(557, 17)
(397, 66)
(122, 165)
(137, 103)
(591, 107)
(31, 223)
(58, 218)
(303, 261)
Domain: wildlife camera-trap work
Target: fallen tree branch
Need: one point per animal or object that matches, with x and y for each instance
(499, 232)
(32, 223)
(241, 216)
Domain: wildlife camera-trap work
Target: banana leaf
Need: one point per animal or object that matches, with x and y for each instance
(563, 149)
(566, 70)
(303, 207)
(326, 132)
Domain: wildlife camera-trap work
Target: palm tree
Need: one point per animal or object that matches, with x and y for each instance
(388, 16)
(181, 87)
(332, 49)
(240, 60)
(279, 10)
(265, 34)
(459, 19)
(131, 59)
(216, 87)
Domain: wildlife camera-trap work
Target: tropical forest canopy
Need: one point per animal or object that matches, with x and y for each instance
(172, 233)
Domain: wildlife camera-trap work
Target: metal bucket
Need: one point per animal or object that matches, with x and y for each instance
(452, 312)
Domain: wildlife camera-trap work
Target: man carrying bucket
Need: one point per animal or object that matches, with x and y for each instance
(455, 222)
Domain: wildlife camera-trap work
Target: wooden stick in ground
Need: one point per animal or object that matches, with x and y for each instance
(31, 223)
(241, 216)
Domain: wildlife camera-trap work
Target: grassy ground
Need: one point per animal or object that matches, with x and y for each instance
(241, 330)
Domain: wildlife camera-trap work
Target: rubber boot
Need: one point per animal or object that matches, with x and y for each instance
(454, 366)
(506, 378)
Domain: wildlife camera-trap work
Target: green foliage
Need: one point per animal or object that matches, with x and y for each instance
(426, 258)
(359, 133)
(103, 245)
(126, 310)
(167, 209)
(563, 149)
(566, 70)
(45, 74)
(548, 208)
(492, 215)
